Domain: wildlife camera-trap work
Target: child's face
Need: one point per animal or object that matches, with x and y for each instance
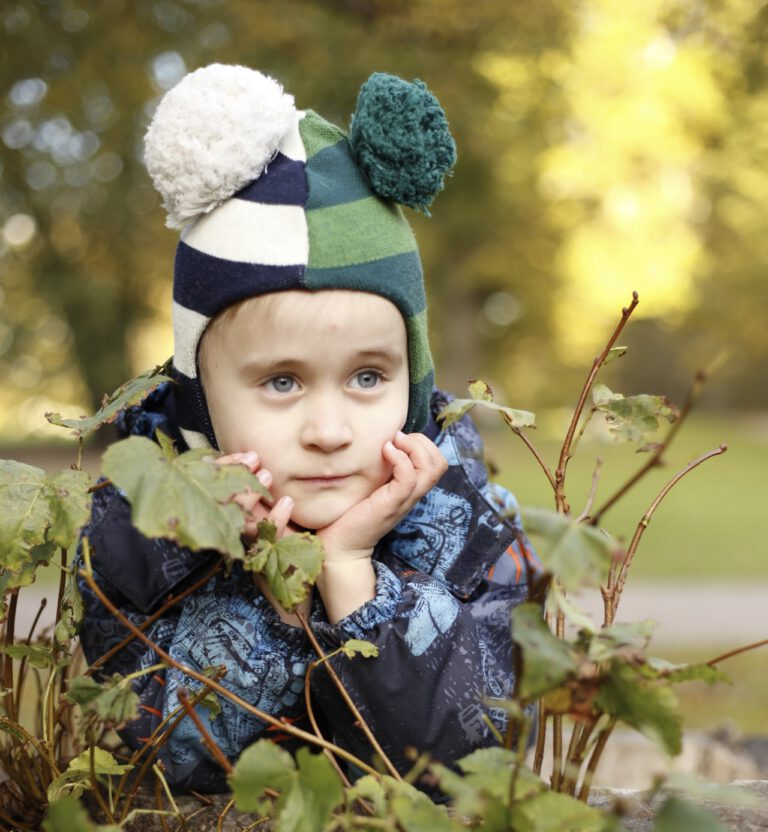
(315, 383)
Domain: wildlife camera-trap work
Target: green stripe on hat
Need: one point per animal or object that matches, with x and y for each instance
(397, 278)
(317, 133)
(357, 232)
(334, 178)
(419, 357)
(419, 397)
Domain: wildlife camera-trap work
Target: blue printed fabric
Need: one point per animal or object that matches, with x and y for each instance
(447, 578)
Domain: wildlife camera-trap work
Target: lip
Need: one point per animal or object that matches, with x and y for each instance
(324, 482)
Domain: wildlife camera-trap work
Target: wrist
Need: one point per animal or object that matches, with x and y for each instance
(345, 585)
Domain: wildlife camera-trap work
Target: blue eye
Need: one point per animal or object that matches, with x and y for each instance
(282, 384)
(367, 379)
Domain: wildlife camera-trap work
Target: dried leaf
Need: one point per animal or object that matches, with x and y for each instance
(131, 393)
(632, 418)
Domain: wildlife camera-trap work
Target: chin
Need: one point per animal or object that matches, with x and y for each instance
(313, 518)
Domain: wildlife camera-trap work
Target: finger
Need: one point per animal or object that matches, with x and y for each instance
(248, 458)
(281, 514)
(404, 476)
(426, 457)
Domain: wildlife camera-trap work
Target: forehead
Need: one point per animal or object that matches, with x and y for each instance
(285, 315)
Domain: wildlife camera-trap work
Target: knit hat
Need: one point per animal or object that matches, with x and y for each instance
(272, 199)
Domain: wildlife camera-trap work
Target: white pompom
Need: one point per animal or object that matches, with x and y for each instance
(212, 134)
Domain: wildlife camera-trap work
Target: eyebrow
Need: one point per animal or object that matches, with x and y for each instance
(267, 364)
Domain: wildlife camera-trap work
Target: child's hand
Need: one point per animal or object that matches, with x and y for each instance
(252, 504)
(417, 465)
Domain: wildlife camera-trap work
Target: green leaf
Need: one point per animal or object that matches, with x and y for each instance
(114, 701)
(186, 498)
(632, 418)
(547, 661)
(687, 672)
(78, 773)
(645, 705)
(131, 393)
(321, 790)
(37, 655)
(67, 814)
(558, 600)
(358, 647)
(71, 615)
(415, 812)
(262, 765)
(370, 789)
(481, 394)
(549, 811)
(614, 353)
(39, 514)
(578, 554)
(289, 564)
(676, 815)
(614, 640)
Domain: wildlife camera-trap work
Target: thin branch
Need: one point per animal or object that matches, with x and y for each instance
(22, 666)
(656, 459)
(233, 697)
(586, 783)
(532, 449)
(646, 519)
(316, 728)
(541, 738)
(738, 651)
(8, 663)
(592, 492)
(99, 485)
(565, 451)
(150, 620)
(209, 742)
(348, 699)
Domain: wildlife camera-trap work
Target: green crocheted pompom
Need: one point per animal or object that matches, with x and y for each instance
(400, 138)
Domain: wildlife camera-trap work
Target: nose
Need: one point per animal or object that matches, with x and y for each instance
(326, 426)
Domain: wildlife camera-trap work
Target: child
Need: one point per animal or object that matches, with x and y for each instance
(301, 351)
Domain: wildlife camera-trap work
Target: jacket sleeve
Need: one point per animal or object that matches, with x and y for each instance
(225, 622)
(440, 660)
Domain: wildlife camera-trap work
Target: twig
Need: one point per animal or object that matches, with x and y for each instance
(222, 814)
(586, 783)
(541, 738)
(22, 666)
(208, 740)
(656, 458)
(738, 651)
(150, 620)
(233, 697)
(646, 519)
(99, 485)
(8, 663)
(96, 785)
(593, 490)
(316, 728)
(532, 449)
(348, 699)
(565, 451)
(15, 824)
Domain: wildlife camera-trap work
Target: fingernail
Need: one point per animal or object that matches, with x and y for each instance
(286, 502)
(400, 435)
(264, 477)
(252, 457)
(389, 445)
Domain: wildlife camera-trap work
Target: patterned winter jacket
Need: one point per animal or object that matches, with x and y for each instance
(447, 578)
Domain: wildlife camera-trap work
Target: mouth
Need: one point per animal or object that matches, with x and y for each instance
(324, 482)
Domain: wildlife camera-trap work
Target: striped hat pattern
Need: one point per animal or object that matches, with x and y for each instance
(302, 216)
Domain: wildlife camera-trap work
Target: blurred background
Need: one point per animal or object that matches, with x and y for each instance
(603, 147)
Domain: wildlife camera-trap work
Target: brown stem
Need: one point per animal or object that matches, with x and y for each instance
(348, 699)
(738, 651)
(208, 740)
(657, 457)
(233, 697)
(646, 519)
(557, 752)
(569, 781)
(597, 751)
(592, 491)
(23, 665)
(99, 485)
(560, 500)
(150, 620)
(532, 449)
(8, 663)
(541, 738)
(316, 728)
(96, 786)
(14, 824)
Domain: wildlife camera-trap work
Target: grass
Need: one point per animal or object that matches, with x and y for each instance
(712, 525)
